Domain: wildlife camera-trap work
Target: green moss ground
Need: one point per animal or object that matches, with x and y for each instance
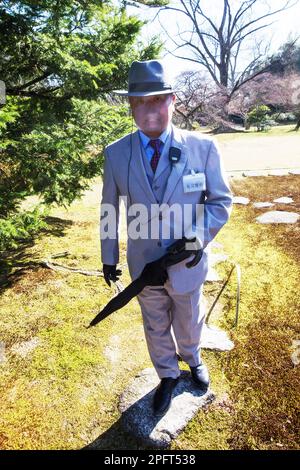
(64, 394)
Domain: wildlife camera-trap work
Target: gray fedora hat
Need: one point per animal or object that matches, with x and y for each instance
(147, 78)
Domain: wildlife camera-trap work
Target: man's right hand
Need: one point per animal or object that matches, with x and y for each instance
(110, 273)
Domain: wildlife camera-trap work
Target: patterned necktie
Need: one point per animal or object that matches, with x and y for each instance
(155, 143)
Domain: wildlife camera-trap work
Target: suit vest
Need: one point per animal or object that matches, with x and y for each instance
(158, 180)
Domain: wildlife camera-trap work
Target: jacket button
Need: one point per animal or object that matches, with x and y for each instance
(155, 188)
(159, 243)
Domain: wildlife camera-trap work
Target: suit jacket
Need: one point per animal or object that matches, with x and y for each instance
(125, 174)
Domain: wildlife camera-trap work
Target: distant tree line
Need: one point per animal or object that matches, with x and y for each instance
(269, 97)
(238, 76)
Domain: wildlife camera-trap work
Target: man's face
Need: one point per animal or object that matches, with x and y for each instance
(152, 114)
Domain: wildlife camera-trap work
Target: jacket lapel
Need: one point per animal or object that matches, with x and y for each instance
(177, 170)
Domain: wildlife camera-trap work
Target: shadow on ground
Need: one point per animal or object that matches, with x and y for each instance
(116, 438)
(151, 432)
(16, 262)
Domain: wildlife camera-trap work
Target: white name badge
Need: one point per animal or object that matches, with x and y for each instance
(194, 182)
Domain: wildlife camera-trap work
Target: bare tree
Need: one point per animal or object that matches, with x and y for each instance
(218, 44)
(200, 101)
(274, 91)
(194, 91)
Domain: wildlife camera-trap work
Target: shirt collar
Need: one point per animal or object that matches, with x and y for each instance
(163, 136)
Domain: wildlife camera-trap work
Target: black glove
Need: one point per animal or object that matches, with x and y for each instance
(111, 273)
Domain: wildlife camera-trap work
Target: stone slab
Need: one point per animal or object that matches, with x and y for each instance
(295, 356)
(278, 217)
(261, 205)
(136, 408)
(240, 200)
(216, 339)
(284, 200)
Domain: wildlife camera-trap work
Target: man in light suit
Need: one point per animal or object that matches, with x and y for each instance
(157, 168)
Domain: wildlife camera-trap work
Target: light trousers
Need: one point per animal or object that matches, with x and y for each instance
(173, 324)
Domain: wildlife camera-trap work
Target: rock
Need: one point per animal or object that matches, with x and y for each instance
(295, 356)
(214, 338)
(278, 217)
(278, 172)
(240, 200)
(294, 172)
(136, 408)
(260, 205)
(284, 200)
(24, 348)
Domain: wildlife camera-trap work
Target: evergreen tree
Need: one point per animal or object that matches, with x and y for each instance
(59, 62)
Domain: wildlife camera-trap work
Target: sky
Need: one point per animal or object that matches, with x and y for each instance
(285, 23)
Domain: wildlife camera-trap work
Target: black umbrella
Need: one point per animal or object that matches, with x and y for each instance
(153, 274)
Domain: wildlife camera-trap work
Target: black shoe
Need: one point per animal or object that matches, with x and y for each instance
(163, 396)
(200, 376)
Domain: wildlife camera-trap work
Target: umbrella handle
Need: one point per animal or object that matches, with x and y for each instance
(195, 260)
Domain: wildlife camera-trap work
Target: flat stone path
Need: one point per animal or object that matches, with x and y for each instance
(137, 415)
(216, 339)
(278, 217)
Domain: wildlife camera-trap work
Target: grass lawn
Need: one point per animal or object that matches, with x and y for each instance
(260, 408)
(286, 130)
(60, 383)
